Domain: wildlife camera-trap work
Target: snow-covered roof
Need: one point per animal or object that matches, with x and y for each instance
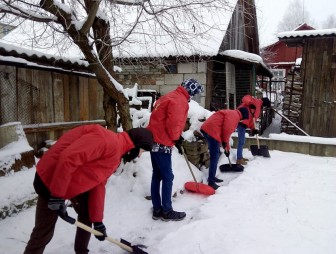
(239, 54)
(246, 57)
(147, 39)
(307, 33)
(25, 52)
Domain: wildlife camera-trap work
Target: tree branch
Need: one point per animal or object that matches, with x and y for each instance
(91, 17)
(9, 8)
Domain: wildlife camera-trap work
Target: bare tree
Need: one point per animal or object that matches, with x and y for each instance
(295, 15)
(101, 28)
(330, 22)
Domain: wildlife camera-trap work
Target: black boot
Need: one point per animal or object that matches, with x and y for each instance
(157, 214)
(217, 180)
(213, 185)
(173, 216)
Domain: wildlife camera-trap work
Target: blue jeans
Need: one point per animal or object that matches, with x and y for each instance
(241, 141)
(162, 171)
(214, 148)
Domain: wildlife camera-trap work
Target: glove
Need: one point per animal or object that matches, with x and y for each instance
(227, 153)
(99, 226)
(178, 144)
(131, 155)
(224, 145)
(58, 205)
(254, 132)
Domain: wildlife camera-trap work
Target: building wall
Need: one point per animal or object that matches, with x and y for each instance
(319, 87)
(157, 77)
(278, 53)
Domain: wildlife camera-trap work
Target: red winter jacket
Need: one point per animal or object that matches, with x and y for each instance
(81, 161)
(169, 116)
(222, 124)
(249, 100)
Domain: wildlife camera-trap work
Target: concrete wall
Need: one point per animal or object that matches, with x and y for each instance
(292, 146)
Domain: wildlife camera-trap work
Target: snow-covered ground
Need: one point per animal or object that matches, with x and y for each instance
(285, 204)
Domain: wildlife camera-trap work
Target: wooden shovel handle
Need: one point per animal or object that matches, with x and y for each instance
(185, 157)
(110, 239)
(254, 123)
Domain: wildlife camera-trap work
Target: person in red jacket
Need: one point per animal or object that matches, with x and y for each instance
(217, 129)
(167, 122)
(76, 168)
(254, 106)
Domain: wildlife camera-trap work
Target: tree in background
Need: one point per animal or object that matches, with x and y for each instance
(295, 15)
(330, 22)
(100, 28)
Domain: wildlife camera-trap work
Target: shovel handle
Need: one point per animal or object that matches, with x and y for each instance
(229, 161)
(291, 122)
(257, 133)
(110, 239)
(185, 157)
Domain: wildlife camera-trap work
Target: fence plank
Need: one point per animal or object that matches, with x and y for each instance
(66, 98)
(58, 97)
(93, 99)
(74, 98)
(43, 81)
(83, 99)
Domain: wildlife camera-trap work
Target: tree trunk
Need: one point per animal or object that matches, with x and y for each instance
(110, 112)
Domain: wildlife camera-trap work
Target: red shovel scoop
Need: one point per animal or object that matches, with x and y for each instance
(195, 186)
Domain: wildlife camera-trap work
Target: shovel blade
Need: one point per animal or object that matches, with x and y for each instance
(233, 168)
(135, 249)
(199, 188)
(261, 151)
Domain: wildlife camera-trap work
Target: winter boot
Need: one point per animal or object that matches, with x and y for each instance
(241, 162)
(217, 180)
(244, 159)
(157, 214)
(173, 216)
(213, 185)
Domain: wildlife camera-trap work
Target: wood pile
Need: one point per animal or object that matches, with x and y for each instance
(197, 152)
(292, 104)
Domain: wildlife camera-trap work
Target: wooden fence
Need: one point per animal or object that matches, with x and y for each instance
(38, 97)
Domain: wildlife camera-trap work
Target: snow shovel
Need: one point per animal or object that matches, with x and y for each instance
(122, 244)
(231, 167)
(258, 150)
(195, 186)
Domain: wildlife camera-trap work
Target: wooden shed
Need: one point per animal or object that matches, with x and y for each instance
(318, 75)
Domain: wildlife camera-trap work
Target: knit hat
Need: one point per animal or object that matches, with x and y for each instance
(192, 86)
(142, 138)
(244, 112)
(266, 102)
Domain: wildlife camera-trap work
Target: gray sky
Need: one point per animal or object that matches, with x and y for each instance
(271, 12)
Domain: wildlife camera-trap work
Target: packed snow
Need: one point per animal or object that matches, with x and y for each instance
(283, 204)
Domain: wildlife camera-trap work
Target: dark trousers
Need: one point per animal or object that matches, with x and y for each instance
(162, 172)
(214, 149)
(241, 141)
(45, 221)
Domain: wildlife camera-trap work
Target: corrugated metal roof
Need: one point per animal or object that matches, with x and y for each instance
(307, 33)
